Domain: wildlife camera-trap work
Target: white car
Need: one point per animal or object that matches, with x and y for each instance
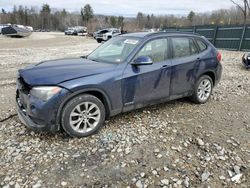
(112, 32)
(3, 26)
(30, 28)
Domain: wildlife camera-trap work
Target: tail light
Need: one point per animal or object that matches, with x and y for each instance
(219, 57)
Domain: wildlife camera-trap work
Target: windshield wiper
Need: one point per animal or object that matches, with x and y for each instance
(86, 57)
(96, 60)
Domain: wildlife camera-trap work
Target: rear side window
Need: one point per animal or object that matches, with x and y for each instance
(156, 49)
(201, 45)
(183, 47)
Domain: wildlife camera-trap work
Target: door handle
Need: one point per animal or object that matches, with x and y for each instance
(198, 59)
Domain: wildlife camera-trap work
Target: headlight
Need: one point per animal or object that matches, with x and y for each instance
(45, 92)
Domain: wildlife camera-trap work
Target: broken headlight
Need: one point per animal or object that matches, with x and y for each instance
(45, 92)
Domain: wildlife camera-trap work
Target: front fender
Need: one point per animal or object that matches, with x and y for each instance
(71, 95)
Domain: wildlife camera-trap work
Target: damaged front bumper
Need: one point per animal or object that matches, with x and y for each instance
(24, 118)
(35, 113)
(34, 121)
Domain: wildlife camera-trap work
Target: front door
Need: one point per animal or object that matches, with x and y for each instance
(146, 83)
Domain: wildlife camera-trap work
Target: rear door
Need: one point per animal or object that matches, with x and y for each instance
(185, 59)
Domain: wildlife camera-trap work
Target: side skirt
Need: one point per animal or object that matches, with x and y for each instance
(132, 106)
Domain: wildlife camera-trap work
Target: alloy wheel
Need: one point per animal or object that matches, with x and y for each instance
(204, 89)
(85, 117)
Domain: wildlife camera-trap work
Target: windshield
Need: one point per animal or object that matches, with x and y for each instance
(116, 50)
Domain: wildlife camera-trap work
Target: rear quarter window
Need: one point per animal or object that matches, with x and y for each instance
(201, 45)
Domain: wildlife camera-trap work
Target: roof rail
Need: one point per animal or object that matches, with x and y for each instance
(179, 32)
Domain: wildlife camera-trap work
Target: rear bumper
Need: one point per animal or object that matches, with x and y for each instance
(218, 74)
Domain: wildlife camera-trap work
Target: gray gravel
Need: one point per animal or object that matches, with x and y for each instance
(176, 144)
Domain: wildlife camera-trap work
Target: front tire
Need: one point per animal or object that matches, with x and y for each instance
(83, 116)
(203, 90)
(99, 40)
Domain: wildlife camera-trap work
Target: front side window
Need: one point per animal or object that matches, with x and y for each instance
(104, 31)
(115, 50)
(155, 49)
(183, 47)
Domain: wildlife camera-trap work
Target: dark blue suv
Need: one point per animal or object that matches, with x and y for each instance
(128, 72)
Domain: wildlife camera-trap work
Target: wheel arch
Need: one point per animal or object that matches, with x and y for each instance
(211, 74)
(95, 92)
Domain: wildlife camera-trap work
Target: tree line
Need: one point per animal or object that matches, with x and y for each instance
(58, 20)
(232, 16)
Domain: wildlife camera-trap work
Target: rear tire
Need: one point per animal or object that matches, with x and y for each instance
(203, 90)
(83, 116)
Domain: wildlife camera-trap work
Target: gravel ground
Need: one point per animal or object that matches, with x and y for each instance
(176, 144)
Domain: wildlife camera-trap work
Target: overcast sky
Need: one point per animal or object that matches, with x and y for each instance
(127, 7)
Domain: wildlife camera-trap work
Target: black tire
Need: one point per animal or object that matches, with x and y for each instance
(99, 40)
(195, 97)
(70, 106)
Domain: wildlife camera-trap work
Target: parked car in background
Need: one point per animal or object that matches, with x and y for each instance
(127, 72)
(30, 28)
(16, 31)
(107, 34)
(3, 26)
(100, 33)
(77, 30)
(246, 60)
(70, 31)
(81, 30)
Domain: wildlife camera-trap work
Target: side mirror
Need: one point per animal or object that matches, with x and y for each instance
(142, 60)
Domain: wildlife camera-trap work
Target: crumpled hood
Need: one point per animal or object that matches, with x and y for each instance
(58, 71)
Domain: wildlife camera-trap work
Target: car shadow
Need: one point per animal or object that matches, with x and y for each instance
(152, 108)
(64, 137)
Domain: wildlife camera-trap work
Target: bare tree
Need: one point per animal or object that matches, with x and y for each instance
(245, 8)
